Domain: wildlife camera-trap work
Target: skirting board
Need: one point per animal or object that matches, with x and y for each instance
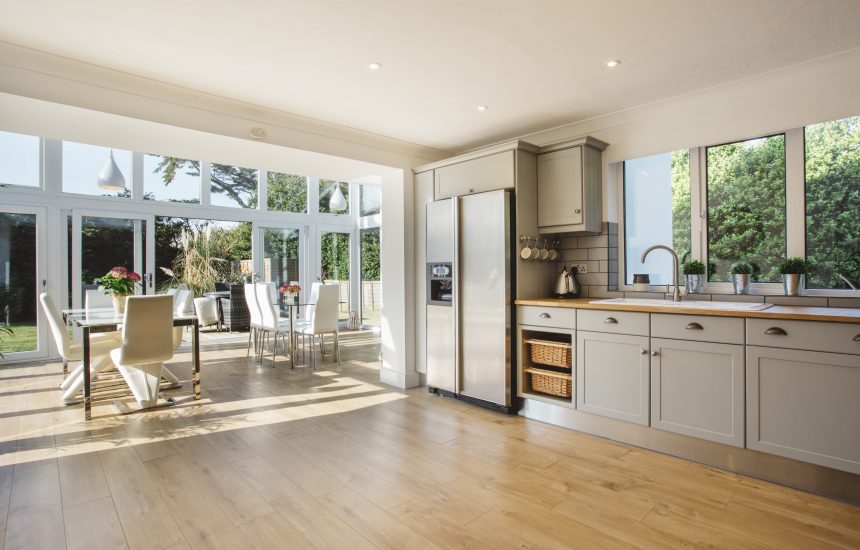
(816, 479)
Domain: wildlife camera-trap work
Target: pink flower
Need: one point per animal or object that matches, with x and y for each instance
(134, 276)
(119, 272)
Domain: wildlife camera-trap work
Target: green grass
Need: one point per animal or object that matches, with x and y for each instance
(23, 338)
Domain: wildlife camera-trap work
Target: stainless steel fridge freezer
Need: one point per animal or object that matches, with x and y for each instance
(469, 351)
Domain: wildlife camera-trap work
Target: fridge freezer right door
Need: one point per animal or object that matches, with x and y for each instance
(483, 291)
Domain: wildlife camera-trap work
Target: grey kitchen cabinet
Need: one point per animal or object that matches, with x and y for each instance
(612, 375)
(488, 173)
(570, 196)
(804, 405)
(697, 389)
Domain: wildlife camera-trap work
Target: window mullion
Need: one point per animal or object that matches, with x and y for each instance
(795, 215)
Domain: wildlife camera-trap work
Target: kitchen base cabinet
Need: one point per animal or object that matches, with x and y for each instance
(804, 405)
(697, 389)
(612, 375)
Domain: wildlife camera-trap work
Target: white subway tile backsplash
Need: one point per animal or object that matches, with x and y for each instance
(598, 254)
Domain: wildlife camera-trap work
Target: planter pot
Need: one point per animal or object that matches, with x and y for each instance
(741, 282)
(792, 283)
(119, 304)
(291, 298)
(694, 283)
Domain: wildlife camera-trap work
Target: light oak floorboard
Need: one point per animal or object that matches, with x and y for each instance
(93, 525)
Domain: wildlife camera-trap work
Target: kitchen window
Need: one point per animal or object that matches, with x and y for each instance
(746, 207)
(657, 211)
(757, 200)
(832, 177)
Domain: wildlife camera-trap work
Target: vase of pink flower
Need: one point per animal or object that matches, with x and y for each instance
(119, 283)
(290, 292)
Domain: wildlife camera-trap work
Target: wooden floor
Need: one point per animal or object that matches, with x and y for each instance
(274, 458)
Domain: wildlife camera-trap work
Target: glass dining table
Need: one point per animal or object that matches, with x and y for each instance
(95, 320)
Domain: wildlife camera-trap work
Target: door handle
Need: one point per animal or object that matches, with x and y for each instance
(694, 326)
(643, 352)
(611, 321)
(545, 316)
(857, 338)
(653, 354)
(776, 331)
(577, 211)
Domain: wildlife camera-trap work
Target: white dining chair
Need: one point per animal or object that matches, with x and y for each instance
(206, 309)
(256, 316)
(94, 299)
(73, 350)
(271, 321)
(181, 303)
(324, 321)
(147, 342)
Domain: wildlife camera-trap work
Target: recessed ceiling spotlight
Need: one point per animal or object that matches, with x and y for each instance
(374, 66)
(612, 63)
(482, 108)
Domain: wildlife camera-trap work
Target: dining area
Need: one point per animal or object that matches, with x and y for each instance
(120, 346)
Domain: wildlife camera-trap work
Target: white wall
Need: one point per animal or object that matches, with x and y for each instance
(51, 96)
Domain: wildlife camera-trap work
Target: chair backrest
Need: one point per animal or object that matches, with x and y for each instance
(325, 312)
(221, 287)
(172, 291)
(182, 301)
(269, 317)
(253, 306)
(272, 289)
(55, 321)
(312, 300)
(207, 310)
(93, 298)
(147, 330)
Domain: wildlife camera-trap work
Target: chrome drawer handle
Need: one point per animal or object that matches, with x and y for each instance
(610, 321)
(694, 326)
(653, 354)
(577, 211)
(776, 331)
(857, 338)
(644, 352)
(545, 316)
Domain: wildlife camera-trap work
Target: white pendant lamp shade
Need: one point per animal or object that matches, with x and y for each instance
(111, 178)
(337, 203)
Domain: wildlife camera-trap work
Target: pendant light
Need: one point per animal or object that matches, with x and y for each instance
(111, 178)
(337, 202)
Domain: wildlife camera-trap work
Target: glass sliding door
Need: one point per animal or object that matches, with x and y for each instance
(102, 241)
(281, 251)
(371, 287)
(22, 332)
(334, 265)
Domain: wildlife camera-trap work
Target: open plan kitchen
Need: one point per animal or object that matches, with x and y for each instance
(385, 275)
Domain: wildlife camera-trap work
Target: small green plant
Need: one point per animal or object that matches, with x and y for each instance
(694, 267)
(794, 265)
(742, 268)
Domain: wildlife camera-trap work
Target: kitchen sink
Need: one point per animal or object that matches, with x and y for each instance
(691, 304)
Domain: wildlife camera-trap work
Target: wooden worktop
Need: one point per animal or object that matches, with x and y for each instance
(798, 313)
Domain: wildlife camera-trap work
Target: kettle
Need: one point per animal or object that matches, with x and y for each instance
(567, 286)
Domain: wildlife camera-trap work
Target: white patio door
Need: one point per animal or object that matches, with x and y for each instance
(22, 278)
(279, 251)
(102, 240)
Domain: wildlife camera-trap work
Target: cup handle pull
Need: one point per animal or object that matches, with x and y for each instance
(776, 331)
(610, 321)
(545, 316)
(694, 326)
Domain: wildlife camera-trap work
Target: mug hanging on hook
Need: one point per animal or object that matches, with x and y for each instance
(544, 252)
(553, 254)
(526, 252)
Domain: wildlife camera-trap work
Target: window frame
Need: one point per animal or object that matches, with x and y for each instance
(795, 217)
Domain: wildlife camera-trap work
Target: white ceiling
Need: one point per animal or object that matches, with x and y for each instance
(535, 64)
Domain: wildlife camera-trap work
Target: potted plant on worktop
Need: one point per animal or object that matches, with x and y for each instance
(119, 283)
(741, 273)
(693, 272)
(793, 271)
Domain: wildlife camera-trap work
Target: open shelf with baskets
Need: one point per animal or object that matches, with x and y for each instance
(546, 364)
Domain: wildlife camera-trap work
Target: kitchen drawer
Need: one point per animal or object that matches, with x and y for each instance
(613, 322)
(538, 316)
(702, 328)
(804, 335)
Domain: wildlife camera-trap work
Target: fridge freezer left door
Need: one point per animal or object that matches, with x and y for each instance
(484, 290)
(441, 328)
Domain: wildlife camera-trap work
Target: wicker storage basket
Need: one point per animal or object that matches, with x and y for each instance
(547, 352)
(552, 383)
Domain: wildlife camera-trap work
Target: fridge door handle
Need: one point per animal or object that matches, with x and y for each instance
(455, 284)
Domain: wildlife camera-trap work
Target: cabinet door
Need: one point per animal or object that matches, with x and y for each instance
(560, 188)
(475, 176)
(697, 389)
(804, 405)
(612, 376)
